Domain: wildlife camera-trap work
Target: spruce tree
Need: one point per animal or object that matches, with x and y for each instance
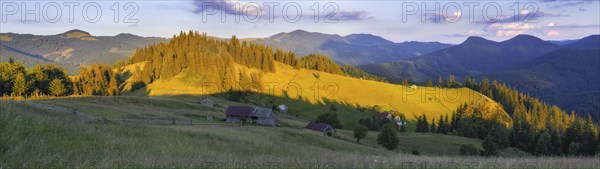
(542, 147)
(113, 88)
(388, 138)
(429, 83)
(489, 147)
(19, 85)
(57, 88)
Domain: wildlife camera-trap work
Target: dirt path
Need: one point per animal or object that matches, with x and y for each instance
(93, 118)
(66, 110)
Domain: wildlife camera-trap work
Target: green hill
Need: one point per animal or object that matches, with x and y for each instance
(60, 138)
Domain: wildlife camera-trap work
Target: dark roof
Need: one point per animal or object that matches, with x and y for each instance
(238, 111)
(317, 126)
(383, 114)
(206, 101)
(261, 112)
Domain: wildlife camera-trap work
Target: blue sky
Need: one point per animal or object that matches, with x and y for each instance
(450, 21)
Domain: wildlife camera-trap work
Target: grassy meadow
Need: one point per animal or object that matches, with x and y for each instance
(37, 136)
(136, 130)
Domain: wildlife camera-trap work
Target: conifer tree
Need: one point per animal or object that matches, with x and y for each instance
(57, 88)
(19, 85)
(388, 138)
(113, 89)
(489, 147)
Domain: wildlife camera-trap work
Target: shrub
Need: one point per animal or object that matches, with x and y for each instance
(468, 150)
(360, 132)
(388, 138)
(331, 119)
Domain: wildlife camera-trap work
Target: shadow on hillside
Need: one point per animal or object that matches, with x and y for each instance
(300, 107)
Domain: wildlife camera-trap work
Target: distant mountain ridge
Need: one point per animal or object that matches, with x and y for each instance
(475, 56)
(589, 42)
(354, 49)
(71, 49)
(565, 75)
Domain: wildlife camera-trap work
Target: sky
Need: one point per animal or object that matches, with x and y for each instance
(398, 21)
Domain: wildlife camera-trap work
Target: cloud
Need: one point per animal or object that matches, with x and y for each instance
(233, 7)
(236, 7)
(523, 16)
(466, 34)
(567, 3)
(351, 14)
(450, 18)
(570, 26)
(510, 29)
(566, 0)
(516, 28)
(552, 33)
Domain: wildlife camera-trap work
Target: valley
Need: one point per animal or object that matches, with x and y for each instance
(146, 111)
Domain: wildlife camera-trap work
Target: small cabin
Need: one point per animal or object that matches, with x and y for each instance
(207, 102)
(400, 124)
(282, 108)
(326, 129)
(384, 115)
(251, 114)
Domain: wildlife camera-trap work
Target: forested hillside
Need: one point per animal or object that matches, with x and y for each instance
(561, 75)
(568, 78)
(214, 59)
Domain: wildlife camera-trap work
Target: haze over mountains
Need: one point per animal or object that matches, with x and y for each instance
(71, 49)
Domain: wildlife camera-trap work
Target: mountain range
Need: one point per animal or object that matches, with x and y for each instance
(71, 49)
(354, 49)
(560, 72)
(565, 75)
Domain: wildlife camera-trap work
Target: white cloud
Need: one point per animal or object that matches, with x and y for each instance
(502, 33)
(237, 7)
(511, 26)
(467, 34)
(552, 33)
(510, 29)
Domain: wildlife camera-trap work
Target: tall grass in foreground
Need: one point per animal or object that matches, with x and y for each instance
(36, 140)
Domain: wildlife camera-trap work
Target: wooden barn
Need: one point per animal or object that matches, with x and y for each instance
(326, 129)
(384, 115)
(251, 114)
(207, 102)
(282, 108)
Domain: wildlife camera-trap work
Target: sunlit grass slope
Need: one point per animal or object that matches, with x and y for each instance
(315, 87)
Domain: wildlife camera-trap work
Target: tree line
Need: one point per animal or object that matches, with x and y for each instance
(50, 79)
(214, 60)
(534, 126)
